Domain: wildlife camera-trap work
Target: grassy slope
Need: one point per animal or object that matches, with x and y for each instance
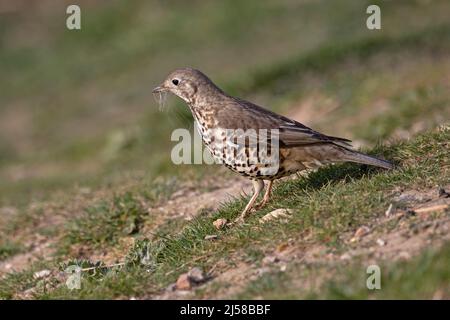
(320, 216)
(424, 277)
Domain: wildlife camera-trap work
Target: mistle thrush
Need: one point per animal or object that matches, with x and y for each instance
(255, 142)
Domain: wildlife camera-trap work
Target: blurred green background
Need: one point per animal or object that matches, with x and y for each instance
(76, 105)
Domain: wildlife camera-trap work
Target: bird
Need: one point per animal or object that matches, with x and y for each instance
(253, 141)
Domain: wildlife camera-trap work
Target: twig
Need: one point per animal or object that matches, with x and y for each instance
(104, 267)
(432, 208)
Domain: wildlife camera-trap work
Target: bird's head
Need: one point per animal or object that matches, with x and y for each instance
(186, 83)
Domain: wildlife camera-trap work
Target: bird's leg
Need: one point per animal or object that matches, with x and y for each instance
(258, 185)
(267, 195)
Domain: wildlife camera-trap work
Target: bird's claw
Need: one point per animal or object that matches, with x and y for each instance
(259, 206)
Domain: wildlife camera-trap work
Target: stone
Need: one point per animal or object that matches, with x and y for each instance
(220, 223)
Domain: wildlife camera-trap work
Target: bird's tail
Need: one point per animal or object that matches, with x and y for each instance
(358, 157)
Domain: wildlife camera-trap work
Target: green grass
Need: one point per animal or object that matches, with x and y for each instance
(420, 278)
(409, 109)
(274, 285)
(8, 249)
(104, 223)
(277, 77)
(15, 283)
(116, 283)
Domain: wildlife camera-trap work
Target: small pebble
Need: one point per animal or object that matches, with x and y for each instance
(270, 260)
(183, 282)
(220, 223)
(277, 214)
(362, 231)
(187, 280)
(41, 274)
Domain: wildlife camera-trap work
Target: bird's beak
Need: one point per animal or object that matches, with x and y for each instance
(159, 89)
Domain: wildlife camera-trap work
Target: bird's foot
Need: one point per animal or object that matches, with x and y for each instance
(259, 205)
(242, 216)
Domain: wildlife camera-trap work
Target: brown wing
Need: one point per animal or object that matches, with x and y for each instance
(241, 114)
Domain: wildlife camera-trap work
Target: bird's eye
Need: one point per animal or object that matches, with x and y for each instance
(175, 81)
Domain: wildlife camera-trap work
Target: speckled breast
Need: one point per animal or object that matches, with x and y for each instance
(247, 156)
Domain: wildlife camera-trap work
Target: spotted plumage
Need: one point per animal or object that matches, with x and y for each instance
(255, 142)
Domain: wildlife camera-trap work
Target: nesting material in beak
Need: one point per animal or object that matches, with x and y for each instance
(160, 96)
